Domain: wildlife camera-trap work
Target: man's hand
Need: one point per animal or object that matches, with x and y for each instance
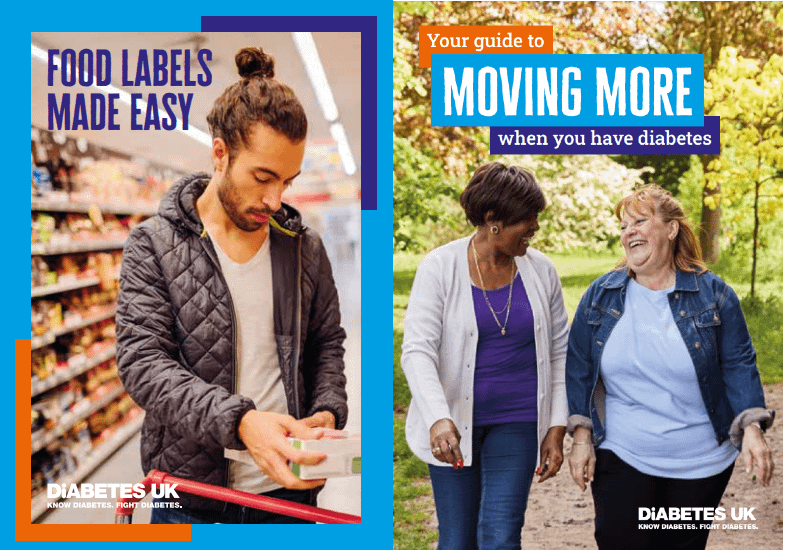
(756, 454)
(321, 419)
(265, 435)
(551, 455)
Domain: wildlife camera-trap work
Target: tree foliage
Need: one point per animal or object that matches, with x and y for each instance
(666, 170)
(755, 29)
(432, 164)
(581, 192)
(603, 28)
(748, 97)
(420, 192)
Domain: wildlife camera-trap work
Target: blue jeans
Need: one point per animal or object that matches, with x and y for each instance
(232, 513)
(482, 506)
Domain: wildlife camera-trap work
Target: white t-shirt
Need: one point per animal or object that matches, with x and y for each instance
(656, 420)
(258, 374)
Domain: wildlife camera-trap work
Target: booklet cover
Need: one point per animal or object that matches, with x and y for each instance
(592, 100)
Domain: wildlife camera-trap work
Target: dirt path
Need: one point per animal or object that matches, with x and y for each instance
(560, 517)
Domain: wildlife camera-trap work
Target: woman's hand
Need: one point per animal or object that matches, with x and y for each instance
(445, 442)
(582, 457)
(551, 455)
(756, 453)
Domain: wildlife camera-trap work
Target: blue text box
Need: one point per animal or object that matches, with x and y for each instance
(608, 140)
(567, 90)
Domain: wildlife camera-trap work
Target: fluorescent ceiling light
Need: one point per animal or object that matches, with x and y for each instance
(304, 43)
(338, 133)
(192, 132)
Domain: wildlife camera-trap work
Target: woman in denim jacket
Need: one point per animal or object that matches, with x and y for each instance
(662, 385)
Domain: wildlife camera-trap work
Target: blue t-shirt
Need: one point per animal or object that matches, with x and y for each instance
(506, 376)
(656, 420)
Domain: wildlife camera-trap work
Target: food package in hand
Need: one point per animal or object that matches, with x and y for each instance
(342, 449)
(343, 456)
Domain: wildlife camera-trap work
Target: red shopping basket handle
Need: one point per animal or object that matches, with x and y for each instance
(125, 505)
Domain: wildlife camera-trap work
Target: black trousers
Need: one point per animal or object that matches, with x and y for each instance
(619, 490)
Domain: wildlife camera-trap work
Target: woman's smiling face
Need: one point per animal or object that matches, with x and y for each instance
(648, 241)
(514, 239)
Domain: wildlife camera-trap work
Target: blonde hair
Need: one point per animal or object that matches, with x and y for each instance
(653, 199)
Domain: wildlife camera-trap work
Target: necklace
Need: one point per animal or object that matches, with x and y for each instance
(485, 296)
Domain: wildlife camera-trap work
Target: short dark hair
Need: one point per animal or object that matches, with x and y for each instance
(510, 193)
(256, 97)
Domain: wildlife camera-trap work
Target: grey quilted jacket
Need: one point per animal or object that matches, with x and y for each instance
(176, 336)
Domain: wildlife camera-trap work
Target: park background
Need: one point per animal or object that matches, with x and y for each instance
(735, 201)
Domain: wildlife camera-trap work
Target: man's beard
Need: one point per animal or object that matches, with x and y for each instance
(229, 198)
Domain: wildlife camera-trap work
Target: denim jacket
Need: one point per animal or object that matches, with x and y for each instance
(709, 317)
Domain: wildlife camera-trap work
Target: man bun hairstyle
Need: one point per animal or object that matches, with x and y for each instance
(257, 97)
(255, 62)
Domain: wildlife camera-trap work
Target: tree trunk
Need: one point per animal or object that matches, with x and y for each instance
(710, 220)
(757, 186)
(755, 238)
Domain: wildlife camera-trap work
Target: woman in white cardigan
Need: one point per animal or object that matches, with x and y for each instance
(484, 355)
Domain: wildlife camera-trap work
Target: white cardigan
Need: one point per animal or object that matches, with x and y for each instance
(441, 337)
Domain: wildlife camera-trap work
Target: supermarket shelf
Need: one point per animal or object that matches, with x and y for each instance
(41, 440)
(97, 456)
(37, 342)
(47, 338)
(40, 386)
(39, 205)
(38, 249)
(38, 291)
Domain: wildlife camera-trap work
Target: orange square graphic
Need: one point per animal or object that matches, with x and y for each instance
(23, 529)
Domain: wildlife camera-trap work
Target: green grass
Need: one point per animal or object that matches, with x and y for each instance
(401, 395)
(410, 475)
(764, 316)
(410, 495)
(404, 267)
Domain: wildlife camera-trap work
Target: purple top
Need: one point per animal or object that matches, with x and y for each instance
(506, 375)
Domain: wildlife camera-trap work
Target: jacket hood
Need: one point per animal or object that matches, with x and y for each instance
(179, 207)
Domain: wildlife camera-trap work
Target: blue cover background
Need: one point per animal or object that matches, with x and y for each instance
(376, 527)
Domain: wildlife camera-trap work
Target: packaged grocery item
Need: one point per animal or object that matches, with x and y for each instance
(41, 181)
(40, 274)
(45, 227)
(106, 271)
(43, 363)
(343, 456)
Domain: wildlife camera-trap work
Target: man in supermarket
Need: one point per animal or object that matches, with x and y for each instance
(228, 324)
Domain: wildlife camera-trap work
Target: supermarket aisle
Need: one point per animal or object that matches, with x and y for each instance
(342, 495)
